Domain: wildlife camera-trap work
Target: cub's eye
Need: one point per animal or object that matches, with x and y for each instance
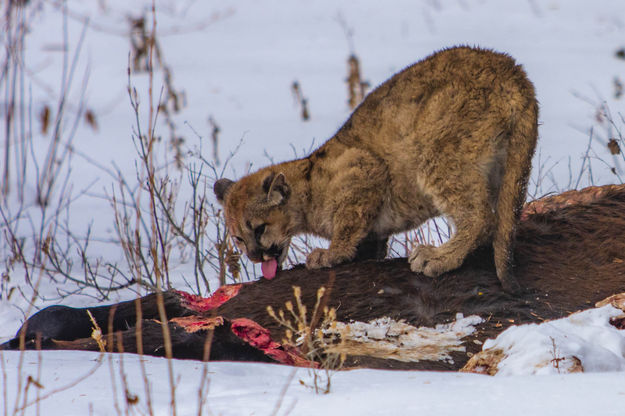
(258, 231)
(238, 239)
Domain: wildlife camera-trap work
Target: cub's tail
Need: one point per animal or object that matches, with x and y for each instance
(512, 193)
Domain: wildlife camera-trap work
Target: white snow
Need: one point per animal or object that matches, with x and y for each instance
(552, 347)
(256, 389)
(236, 62)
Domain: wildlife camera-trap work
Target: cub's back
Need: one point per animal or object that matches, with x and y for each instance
(450, 89)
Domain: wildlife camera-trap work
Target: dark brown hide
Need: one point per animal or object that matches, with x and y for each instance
(570, 253)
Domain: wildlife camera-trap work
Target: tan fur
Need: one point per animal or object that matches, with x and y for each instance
(451, 135)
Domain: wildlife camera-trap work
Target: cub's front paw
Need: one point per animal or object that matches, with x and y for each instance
(318, 258)
(323, 257)
(428, 260)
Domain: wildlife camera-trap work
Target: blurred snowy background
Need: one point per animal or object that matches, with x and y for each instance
(222, 83)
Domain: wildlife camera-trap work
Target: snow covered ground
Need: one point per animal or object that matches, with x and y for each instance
(540, 373)
(236, 63)
(256, 389)
(585, 341)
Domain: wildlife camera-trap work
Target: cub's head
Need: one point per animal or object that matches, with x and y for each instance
(257, 216)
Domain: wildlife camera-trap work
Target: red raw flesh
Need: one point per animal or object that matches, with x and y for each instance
(219, 297)
(259, 337)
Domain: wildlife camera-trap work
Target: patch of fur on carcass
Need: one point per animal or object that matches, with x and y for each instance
(389, 339)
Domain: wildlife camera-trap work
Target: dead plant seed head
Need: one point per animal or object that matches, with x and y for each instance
(310, 337)
(90, 119)
(614, 147)
(320, 293)
(300, 100)
(44, 119)
(215, 130)
(233, 261)
(356, 87)
(618, 88)
(297, 94)
(96, 333)
(297, 292)
(305, 113)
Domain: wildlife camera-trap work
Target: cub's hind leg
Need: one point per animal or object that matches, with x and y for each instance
(473, 218)
(471, 231)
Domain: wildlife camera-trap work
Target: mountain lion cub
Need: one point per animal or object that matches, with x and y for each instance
(451, 135)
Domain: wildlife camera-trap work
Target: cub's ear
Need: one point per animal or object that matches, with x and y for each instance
(221, 187)
(278, 191)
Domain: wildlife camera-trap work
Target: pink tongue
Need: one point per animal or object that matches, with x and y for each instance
(269, 268)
